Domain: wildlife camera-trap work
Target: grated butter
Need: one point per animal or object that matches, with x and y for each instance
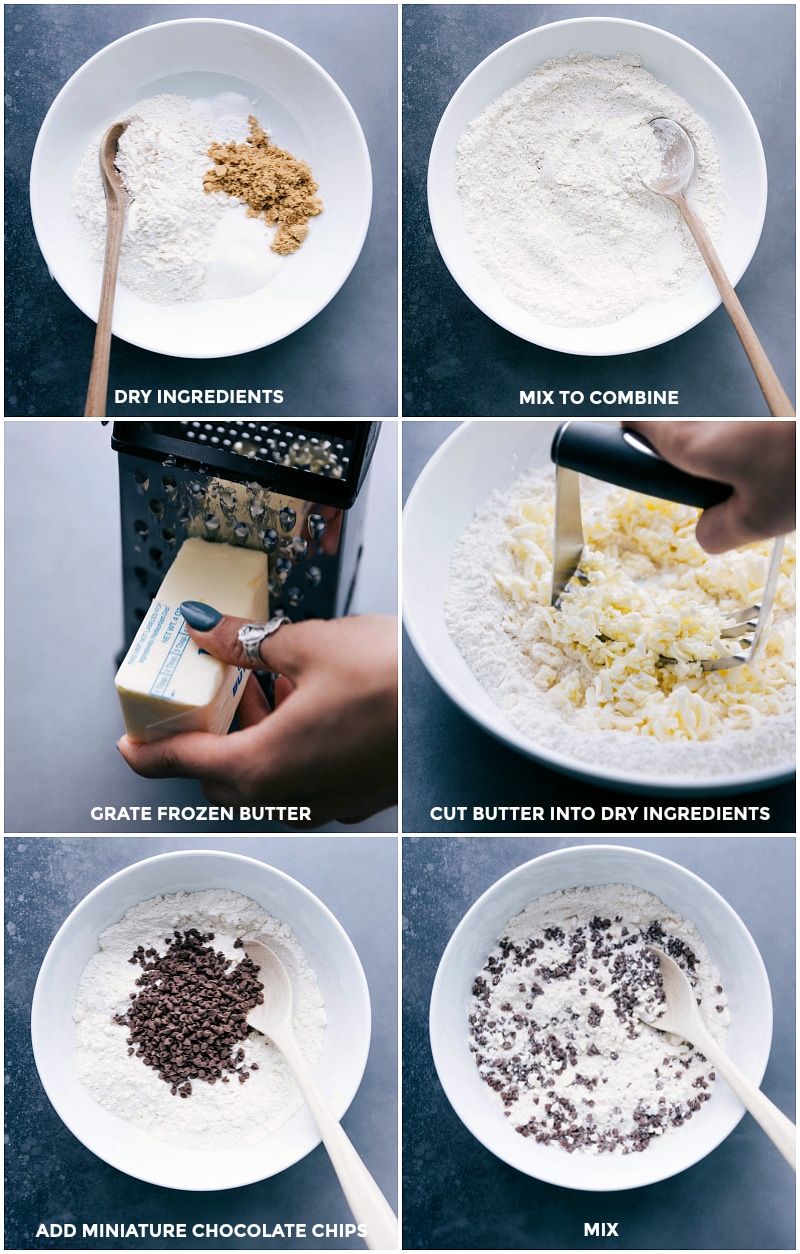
(166, 684)
(653, 593)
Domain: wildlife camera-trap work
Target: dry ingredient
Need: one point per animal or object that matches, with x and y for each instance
(170, 224)
(555, 1027)
(563, 676)
(179, 244)
(161, 1013)
(190, 1017)
(273, 184)
(555, 207)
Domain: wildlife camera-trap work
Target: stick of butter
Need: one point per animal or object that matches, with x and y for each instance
(166, 684)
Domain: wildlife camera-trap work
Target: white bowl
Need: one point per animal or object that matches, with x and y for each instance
(476, 459)
(307, 114)
(676, 64)
(131, 1148)
(732, 949)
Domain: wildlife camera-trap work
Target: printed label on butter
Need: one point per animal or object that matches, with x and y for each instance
(166, 684)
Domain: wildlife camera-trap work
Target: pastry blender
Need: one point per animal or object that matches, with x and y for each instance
(616, 456)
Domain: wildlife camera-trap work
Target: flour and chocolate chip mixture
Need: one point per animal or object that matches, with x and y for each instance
(162, 1037)
(555, 1028)
(190, 1016)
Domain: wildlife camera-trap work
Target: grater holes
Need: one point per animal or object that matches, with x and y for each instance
(292, 447)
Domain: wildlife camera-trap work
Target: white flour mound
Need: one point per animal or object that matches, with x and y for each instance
(549, 693)
(555, 1029)
(215, 1116)
(180, 243)
(555, 208)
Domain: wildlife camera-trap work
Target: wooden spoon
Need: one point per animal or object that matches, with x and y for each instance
(682, 1018)
(116, 201)
(674, 182)
(274, 1019)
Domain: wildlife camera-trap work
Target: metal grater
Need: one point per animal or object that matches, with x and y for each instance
(292, 492)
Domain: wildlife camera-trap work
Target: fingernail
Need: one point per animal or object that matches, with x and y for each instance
(200, 616)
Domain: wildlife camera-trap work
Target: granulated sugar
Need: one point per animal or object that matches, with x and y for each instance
(217, 1115)
(587, 681)
(555, 207)
(555, 1029)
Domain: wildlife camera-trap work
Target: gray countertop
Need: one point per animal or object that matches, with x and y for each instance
(458, 362)
(64, 578)
(53, 1178)
(449, 761)
(342, 363)
(457, 1195)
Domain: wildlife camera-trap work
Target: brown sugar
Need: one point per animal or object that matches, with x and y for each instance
(272, 183)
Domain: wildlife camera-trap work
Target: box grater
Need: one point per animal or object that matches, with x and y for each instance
(292, 492)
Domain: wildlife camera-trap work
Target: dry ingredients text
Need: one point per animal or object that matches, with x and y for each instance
(199, 396)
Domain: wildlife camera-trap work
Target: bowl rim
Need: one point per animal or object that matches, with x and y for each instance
(438, 1033)
(361, 220)
(50, 1084)
(602, 774)
(549, 336)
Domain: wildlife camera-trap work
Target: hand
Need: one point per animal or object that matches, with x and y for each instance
(756, 458)
(331, 742)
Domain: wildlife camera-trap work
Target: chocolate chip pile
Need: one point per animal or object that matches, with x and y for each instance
(555, 1026)
(190, 1017)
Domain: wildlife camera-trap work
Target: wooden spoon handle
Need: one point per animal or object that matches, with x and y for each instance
(780, 1130)
(96, 395)
(367, 1203)
(774, 393)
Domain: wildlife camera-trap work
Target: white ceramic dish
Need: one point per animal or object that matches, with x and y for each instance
(731, 947)
(131, 1148)
(676, 64)
(478, 458)
(306, 113)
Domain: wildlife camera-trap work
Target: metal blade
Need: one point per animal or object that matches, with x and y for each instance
(567, 530)
(773, 574)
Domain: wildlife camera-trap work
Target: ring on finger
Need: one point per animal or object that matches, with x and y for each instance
(251, 635)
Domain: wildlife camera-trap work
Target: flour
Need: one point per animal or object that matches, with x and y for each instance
(179, 244)
(555, 1029)
(551, 694)
(555, 208)
(215, 1116)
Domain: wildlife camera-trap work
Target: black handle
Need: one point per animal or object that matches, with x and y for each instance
(623, 457)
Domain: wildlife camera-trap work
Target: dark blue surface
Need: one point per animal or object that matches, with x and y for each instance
(457, 1195)
(342, 363)
(456, 361)
(52, 1178)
